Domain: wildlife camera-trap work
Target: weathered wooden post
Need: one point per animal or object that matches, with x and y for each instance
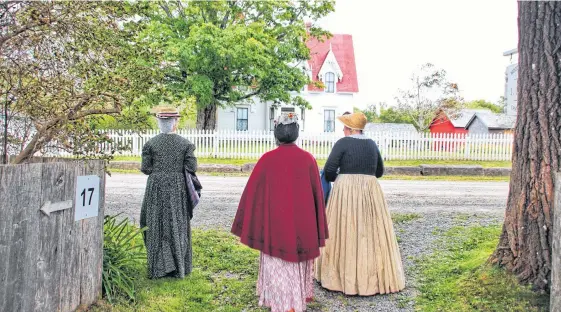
(555, 293)
(51, 234)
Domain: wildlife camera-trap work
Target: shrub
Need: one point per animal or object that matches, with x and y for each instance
(123, 256)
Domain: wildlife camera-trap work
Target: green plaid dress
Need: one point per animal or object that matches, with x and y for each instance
(164, 209)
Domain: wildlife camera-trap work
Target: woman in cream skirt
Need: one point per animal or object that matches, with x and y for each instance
(361, 257)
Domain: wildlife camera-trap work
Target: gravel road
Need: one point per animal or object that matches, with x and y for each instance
(441, 204)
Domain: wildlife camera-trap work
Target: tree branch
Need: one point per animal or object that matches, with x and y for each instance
(166, 9)
(247, 96)
(17, 32)
(225, 19)
(181, 9)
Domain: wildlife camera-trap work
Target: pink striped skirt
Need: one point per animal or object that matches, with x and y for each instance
(284, 285)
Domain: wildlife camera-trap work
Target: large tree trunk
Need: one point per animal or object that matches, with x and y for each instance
(206, 117)
(5, 154)
(525, 243)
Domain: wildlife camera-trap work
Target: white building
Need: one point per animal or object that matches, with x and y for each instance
(333, 63)
(511, 80)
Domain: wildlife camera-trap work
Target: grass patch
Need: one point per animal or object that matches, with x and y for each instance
(223, 279)
(399, 218)
(457, 278)
(218, 161)
(416, 163)
(321, 162)
(390, 177)
(447, 178)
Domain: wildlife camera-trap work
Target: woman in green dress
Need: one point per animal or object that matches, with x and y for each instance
(165, 207)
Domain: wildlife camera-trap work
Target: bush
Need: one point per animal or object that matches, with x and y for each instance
(123, 255)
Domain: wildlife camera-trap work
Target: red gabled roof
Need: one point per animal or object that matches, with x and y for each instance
(343, 49)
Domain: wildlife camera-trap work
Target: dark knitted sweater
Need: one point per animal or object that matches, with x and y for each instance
(354, 156)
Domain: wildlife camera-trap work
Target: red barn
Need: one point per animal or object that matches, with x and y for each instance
(443, 124)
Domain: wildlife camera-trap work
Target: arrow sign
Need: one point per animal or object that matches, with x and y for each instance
(49, 207)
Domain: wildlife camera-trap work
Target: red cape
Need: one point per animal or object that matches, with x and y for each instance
(282, 212)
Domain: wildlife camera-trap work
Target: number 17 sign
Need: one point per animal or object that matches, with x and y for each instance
(87, 197)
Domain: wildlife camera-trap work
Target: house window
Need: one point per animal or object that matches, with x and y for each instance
(302, 117)
(241, 122)
(330, 82)
(329, 120)
(272, 118)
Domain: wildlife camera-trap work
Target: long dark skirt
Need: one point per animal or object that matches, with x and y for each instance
(168, 238)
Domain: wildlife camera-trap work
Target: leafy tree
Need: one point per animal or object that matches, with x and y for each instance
(482, 104)
(429, 92)
(525, 246)
(226, 52)
(65, 64)
(393, 115)
(371, 113)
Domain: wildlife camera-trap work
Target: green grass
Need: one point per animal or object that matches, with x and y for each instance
(220, 161)
(398, 218)
(447, 178)
(223, 279)
(454, 278)
(415, 163)
(457, 277)
(391, 177)
(321, 162)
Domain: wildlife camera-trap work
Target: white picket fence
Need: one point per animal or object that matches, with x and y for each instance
(393, 146)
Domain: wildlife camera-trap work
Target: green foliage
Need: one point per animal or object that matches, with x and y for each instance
(223, 279)
(482, 104)
(457, 278)
(77, 67)
(394, 115)
(224, 52)
(370, 112)
(387, 114)
(399, 218)
(429, 91)
(123, 255)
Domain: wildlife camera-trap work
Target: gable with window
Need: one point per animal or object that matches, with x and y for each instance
(330, 72)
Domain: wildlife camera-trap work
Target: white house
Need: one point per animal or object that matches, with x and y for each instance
(333, 63)
(511, 80)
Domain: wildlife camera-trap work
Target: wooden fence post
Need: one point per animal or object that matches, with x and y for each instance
(555, 293)
(49, 261)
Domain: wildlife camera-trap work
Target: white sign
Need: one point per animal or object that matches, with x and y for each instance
(87, 197)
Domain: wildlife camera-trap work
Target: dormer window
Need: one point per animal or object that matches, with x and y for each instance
(329, 82)
(330, 72)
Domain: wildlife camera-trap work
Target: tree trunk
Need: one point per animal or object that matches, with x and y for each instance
(206, 117)
(525, 243)
(5, 154)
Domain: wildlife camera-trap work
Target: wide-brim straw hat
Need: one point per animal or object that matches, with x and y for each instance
(166, 112)
(356, 121)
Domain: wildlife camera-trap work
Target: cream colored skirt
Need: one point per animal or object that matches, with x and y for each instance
(361, 256)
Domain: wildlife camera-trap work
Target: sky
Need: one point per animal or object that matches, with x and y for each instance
(466, 38)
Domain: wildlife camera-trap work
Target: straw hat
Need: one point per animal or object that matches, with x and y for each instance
(356, 121)
(165, 112)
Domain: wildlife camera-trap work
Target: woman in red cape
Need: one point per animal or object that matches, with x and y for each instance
(282, 214)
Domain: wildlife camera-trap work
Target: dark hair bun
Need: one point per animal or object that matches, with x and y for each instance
(287, 133)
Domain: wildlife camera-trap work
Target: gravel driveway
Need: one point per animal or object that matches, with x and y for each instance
(442, 205)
